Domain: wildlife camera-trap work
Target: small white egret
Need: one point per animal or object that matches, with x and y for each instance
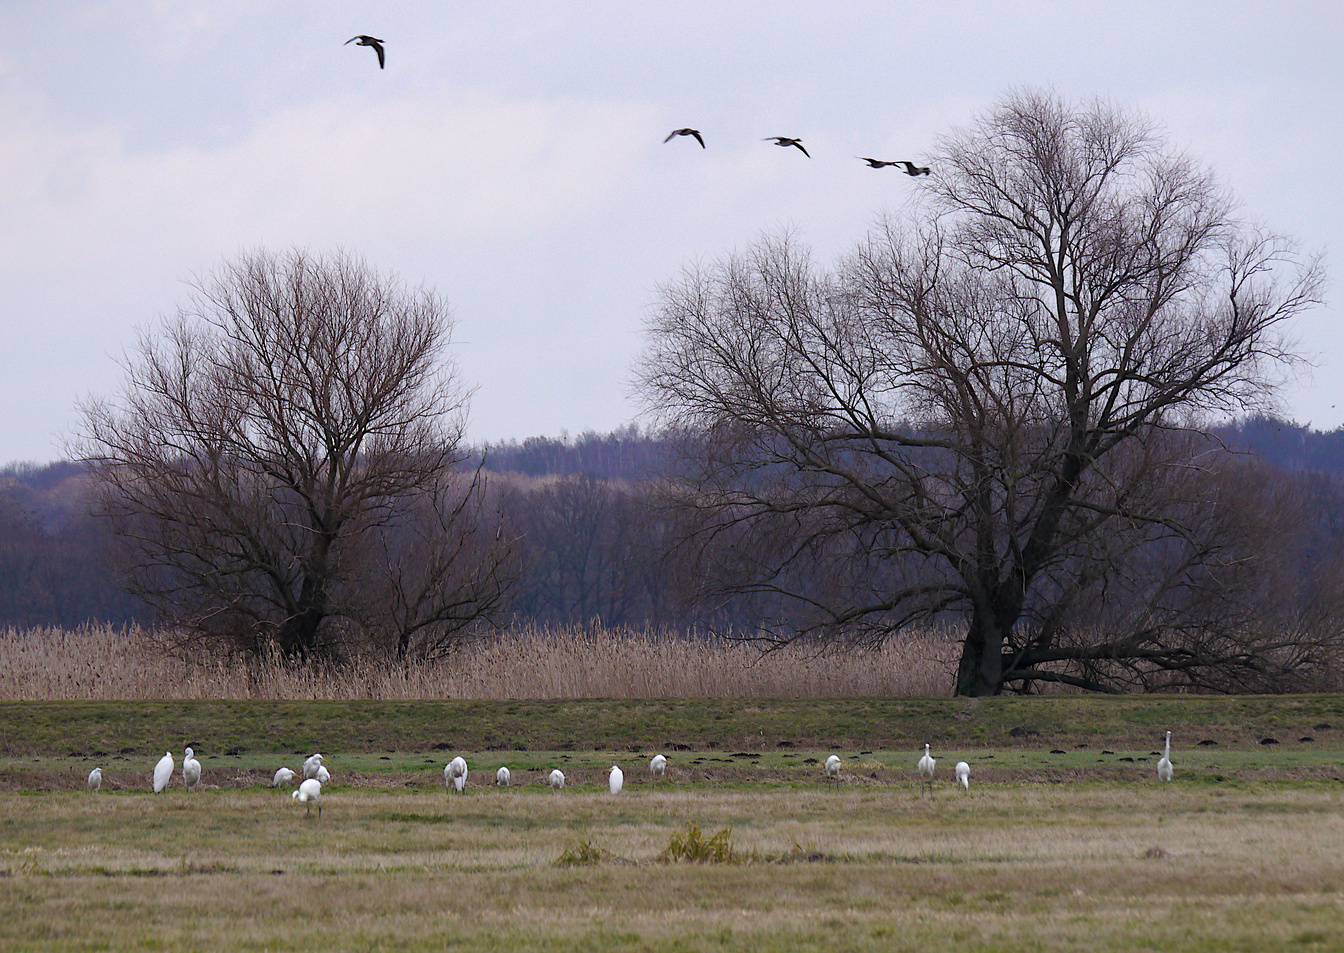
(191, 770)
(1164, 768)
(833, 767)
(323, 775)
(455, 774)
(283, 776)
(95, 779)
(502, 777)
(309, 793)
(557, 779)
(311, 764)
(963, 774)
(657, 767)
(163, 772)
(926, 765)
(615, 779)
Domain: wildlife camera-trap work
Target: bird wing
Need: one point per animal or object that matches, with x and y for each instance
(696, 133)
(670, 136)
(800, 148)
(378, 47)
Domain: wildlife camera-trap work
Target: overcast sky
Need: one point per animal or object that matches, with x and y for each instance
(511, 157)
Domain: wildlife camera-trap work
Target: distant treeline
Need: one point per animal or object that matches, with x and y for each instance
(594, 547)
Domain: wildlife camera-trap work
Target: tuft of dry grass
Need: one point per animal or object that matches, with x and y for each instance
(103, 663)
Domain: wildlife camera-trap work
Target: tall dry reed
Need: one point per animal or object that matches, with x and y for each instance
(101, 662)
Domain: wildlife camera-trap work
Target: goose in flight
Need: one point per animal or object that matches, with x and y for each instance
(912, 169)
(372, 41)
(786, 141)
(876, 163)
(685, 132)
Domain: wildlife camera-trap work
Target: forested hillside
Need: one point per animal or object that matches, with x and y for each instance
(593, 544)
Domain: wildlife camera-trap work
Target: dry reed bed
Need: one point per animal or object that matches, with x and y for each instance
(104, 663)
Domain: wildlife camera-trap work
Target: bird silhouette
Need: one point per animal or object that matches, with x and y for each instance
(877, 163)
(615, 779)
(833, 767)
(685, 132)
(911, 168)
(283, 776)
(657, 767)
(455, 774)
(308, 794)
(786, 141)
(163, 772)
(95, 779)
(372, 41)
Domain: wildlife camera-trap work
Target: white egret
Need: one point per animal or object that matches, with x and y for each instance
(323, 775)
(657, 767)
(311, 764)
(926, 765)
(455, 773)
(557, 779)
(283, 776)
(191, 770)
(309, 793)
(163, 772)
(502, 777)
(1164, 768)
(95, 779)
(963, 771)
(615, 779)
(833, 767)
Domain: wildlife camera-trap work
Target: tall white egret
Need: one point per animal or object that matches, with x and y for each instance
(163, 772)
(926, 766)
(191, 770)
(283, 776)
(615, 779)
(311, 764)
(95, 779)
(309, 793)
(1164, 768)
(502, 777)
(963, 774)
(455, 773)
(657, 767)
(557, 779)
(323, 775)
(833, 767)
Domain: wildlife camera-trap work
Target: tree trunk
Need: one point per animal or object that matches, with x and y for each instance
(980, 670)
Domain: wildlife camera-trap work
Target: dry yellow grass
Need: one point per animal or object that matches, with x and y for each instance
(102, 663)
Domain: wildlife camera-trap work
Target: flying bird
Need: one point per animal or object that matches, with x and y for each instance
(502, 777)
(876, 163)
(309, 793)
(557, 780)
(1164, 768)
(377, 45)
(191, 770)
(685, 132)
(786, 141)
(833, 767)
(455, 774)
(95, 779)
(657, 767)
(283, 776)
(926, 765)
(615, 779)
(911, 168)
(963, 771)
(163, 772)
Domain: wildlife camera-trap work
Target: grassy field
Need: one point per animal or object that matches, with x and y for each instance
(1065, 840)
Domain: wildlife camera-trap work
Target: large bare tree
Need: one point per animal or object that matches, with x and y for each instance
(986, 413)
(282, 471)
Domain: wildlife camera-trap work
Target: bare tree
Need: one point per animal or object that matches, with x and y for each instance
(278, 444)
(976, 414)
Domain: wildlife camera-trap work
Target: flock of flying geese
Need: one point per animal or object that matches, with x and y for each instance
(909, 168)
(315, 774)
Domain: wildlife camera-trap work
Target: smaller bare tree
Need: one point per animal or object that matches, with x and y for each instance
(287, 444)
